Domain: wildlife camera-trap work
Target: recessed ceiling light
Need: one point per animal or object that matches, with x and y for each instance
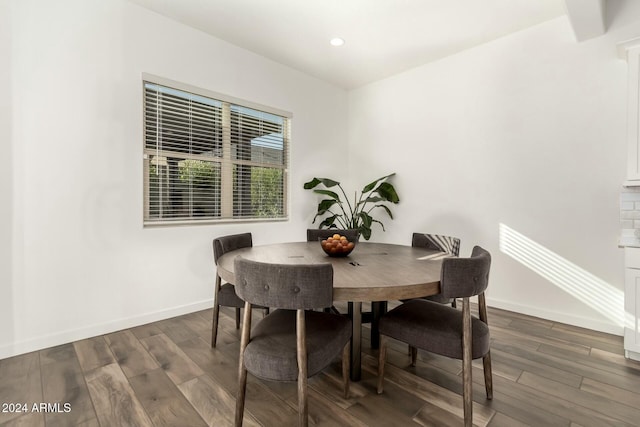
(336, 41)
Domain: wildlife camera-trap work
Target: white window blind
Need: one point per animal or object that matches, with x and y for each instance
(208, 159)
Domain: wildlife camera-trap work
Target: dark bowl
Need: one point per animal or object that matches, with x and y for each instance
(335, 247)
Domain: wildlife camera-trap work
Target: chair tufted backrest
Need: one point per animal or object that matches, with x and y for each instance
(314, 234)
(465, 277)
(288, 286)
(447, 244)
(225, 244)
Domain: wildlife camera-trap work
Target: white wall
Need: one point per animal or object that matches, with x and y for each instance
(82, 262)
(6, 267)
(527, 131)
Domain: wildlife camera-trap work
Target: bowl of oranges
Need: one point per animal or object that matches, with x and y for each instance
(337, 245)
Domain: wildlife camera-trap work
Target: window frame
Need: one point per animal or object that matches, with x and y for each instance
(226, 161)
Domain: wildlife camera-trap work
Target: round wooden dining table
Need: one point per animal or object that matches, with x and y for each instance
(373, 272)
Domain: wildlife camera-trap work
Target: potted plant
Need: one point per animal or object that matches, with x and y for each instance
(357, 215)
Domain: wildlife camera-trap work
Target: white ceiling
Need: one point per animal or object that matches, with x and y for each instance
(383, 37)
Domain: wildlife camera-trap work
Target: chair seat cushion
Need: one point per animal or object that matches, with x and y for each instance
(434, 327)
(227, 296)
(271, 352)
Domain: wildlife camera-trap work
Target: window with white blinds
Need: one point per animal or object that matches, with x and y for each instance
(211, 158)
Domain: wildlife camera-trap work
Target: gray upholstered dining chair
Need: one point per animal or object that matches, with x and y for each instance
(444, 330)
(314, 234)
(225, 295)
(293, 342)
(448, 245)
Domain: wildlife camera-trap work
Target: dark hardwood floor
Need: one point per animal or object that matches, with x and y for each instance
(166, 374)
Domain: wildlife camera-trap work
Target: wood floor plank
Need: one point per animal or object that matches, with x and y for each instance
(559, 406)
(322, 412)
(614, 393)
(587, 360)
(214, 404)
(57, 354)
(88, 423)
(597, 373)
(514, 338)
(20, 382)
(144, 331)
(583, 398)
(517, 317)
(131, 355)
(81, 409)
(514, 406)
(93, 353)
(521, 338)
(502, 420)
(32, 419)
(427, 391)
(433, 415)
(589, 334)
(263, 404)
(508, 397)
(221, 365)
(198, 324)
(499, 357)
(329, 384)
(171, 358)
(565, 335)
(632, 367)
(19, 366)
(114, 400)
(395, 407)
(535, 404)
(163, 402)
(175, 329)
(63, 383)
(61, 376)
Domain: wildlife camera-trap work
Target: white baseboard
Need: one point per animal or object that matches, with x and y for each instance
(632, 355)
(582, 322)
(46, 341)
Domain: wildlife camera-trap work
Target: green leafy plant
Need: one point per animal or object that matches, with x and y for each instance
(343, 214)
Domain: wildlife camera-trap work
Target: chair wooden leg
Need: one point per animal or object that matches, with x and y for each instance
(216, 313)
(265, 312)
(454, 303)
(345, 369)
(488, 379)
(242, 388)
(237, 318)
(482, 308)
(467, 384)
(381, 361)
(414, 356)
(301, 350)
(486, 360)
(242, 371)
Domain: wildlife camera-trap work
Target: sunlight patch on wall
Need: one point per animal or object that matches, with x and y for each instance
(591, 290)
